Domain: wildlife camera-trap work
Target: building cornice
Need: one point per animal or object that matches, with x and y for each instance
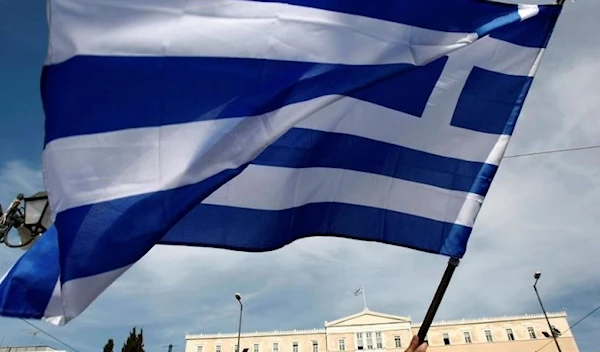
(255, 334)
(496, 319)
(562, 314)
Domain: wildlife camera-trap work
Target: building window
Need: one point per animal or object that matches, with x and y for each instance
(236, 348)
(369, 341)
(488, 335)
(510, 335)
(218, 348)
(255, 347)
(397, 342)
(342, 344)
(359, 341)
(467, 337)
(198, 348)
(531, 332)
(446, 338)
(295, 347)
(315, 345)
(378, 340)
(275, 346)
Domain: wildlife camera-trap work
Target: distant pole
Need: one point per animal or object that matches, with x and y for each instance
(361, 291)
(169, 347)
(364, 298)
(437, 299)
(537, 276)
(239, 299)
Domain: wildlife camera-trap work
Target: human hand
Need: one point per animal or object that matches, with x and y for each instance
(415, 347)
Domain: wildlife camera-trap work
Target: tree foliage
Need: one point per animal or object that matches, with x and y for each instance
(110, 346)
(135, 342)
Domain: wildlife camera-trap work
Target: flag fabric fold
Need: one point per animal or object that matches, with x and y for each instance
(247, 125)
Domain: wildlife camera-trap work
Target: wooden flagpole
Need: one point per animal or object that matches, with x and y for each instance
(437, 299)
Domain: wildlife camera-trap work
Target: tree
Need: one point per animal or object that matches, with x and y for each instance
(110, 346)
(135, 342)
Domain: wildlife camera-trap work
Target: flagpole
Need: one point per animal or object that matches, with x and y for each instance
(364, 294)
(437, 299)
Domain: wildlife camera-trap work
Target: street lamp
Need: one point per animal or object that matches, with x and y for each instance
(30, 216)
(537, 276)
(37, 212)
(239, 299)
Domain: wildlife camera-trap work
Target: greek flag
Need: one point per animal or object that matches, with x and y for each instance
(247, 125)
(359, 291)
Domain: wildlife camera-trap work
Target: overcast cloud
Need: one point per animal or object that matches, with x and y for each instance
(542, 213)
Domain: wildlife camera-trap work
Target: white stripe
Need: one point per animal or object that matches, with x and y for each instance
(99, 167)
(277, 188)
(78, 294)
(6, 273)
(54, 313)
(364, 119)
(244, 29)
(528, 10)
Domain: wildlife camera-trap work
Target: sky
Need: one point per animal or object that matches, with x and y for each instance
(541, 214)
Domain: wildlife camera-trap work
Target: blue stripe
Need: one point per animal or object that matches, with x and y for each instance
(533, 32)
(263, 230)
(471, 16)
(89, 94)
(110, 235)
(300, 148)
(26, 290)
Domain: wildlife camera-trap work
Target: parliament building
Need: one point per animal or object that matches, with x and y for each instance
(370, 331)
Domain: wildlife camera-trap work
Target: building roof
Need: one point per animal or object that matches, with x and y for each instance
(369, 317)
(362, 318)
(34, 348)
(562, 314)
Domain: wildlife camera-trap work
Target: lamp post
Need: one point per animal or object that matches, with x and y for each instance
(37, 212)
(30, 216)
(239, 299)
(537, 276)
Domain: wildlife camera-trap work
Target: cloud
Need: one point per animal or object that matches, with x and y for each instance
(18, 177)
(560, 108)
(541, 214)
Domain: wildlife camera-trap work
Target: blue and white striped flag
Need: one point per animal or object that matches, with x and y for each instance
(249, 124)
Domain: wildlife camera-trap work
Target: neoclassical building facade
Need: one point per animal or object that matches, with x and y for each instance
(370, 331)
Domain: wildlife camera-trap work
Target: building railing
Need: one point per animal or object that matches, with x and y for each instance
(417, 325)
(494, 319)
(257, 333)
